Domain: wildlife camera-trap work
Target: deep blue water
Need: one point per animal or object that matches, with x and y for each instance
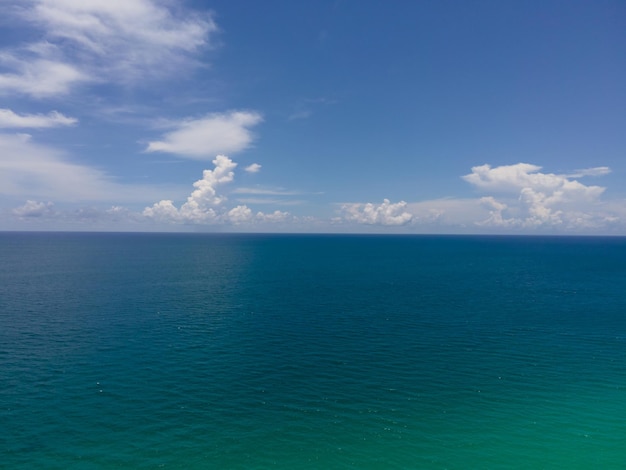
(297, 351)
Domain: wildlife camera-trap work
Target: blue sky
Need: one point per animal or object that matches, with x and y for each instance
(325, 116)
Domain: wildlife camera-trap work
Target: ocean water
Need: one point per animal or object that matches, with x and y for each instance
(306, 352)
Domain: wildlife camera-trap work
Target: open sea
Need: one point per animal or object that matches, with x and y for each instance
(202, 351)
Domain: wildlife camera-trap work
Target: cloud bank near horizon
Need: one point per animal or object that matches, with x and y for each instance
(206, 206)
(542, 199)
(523, 198)
(30, 170)
(386, 213)
(77, 60)
(525, 201)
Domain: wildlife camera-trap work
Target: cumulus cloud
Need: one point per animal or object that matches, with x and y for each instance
(206, 206)
(254, 168)
(164, 210)
(543, 199)
(9, 119)
(519, 198)
(34, 209)
(240, 214)
(495, 209)
(276, 216)
(513, 178)
(204, 137)
(101, 40)
(201, 204)
(386, 213)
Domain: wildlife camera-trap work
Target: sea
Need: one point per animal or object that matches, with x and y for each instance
(246, 351)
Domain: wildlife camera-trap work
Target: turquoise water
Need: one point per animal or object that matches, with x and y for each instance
(284, 351)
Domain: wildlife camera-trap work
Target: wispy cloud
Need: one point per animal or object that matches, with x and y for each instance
(266, 191)
(269, 200)
(9, 119)
(268, 196)
(301, 114)
(96, 41)
(304, 109)
(39, 77)
(204, 137)
(32, 170)
(254, 168)
(596, 171)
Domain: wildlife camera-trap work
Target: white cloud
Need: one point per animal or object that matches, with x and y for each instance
(164, 210)
(386, 213)
(276, 216)
(597, 171)
(265, 191)
(495, 209)
(254, 168)
(273, 201)
(543, 199)
(206, 206)
(240, 214)
(264, 196)
(435, 216)
(513, 178)
(202, 203)
(45, 215)
(34, 209)
(215, 133)
(101, 40)
(243, 215)
(9, 119)
(31, 171)
(198, 205)
(523, 200)
(39, 77)
(103, 25)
